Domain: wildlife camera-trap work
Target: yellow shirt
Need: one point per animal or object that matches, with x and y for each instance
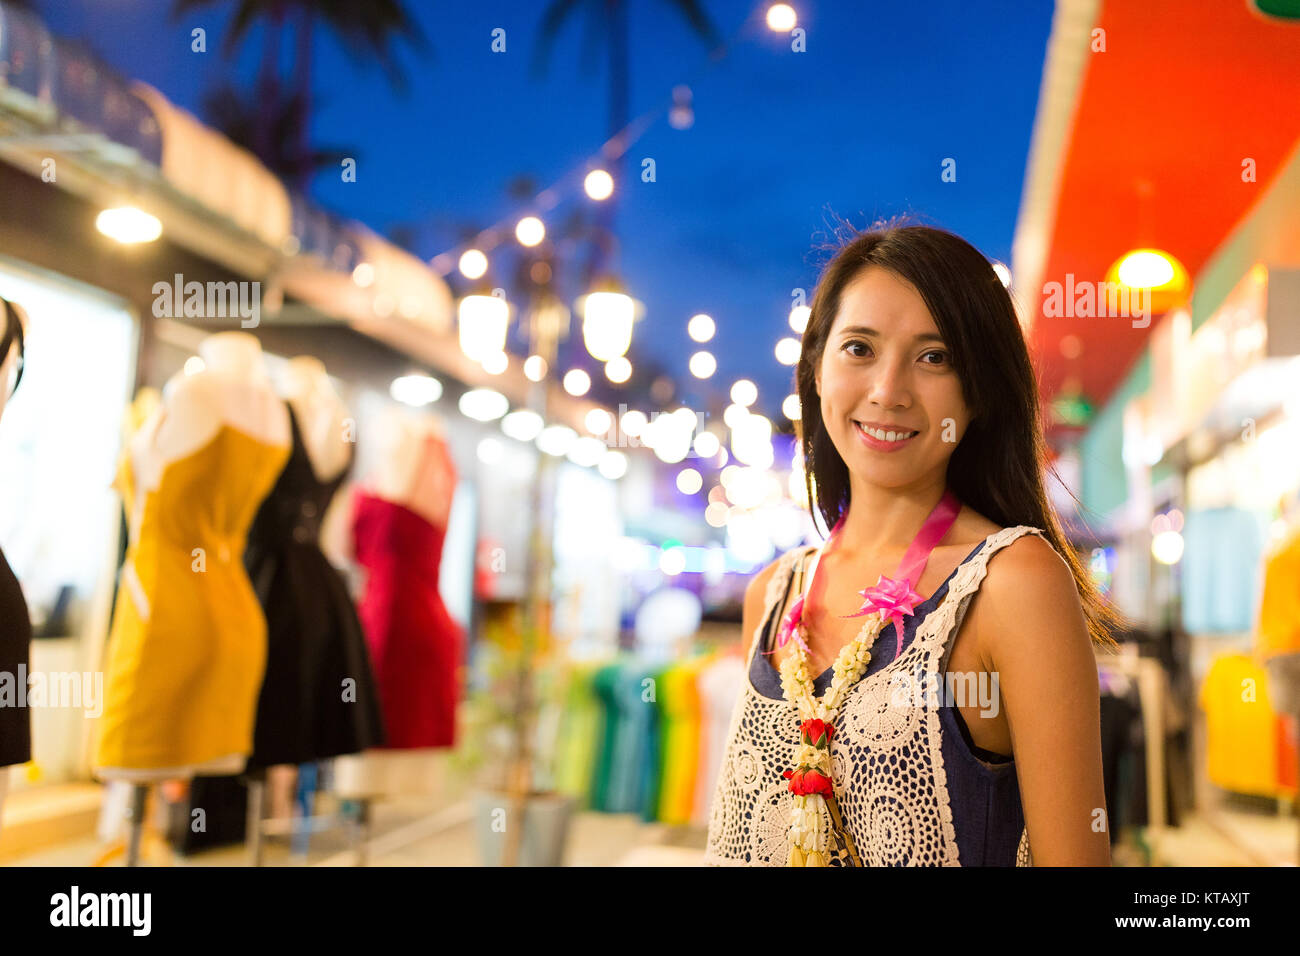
(1279, 603)
(1241, 726)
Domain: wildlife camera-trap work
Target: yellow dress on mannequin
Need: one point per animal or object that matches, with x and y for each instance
(187, 649)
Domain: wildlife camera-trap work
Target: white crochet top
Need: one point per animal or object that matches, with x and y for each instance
(887, 763)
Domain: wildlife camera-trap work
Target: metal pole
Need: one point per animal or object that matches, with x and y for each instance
(139, 801)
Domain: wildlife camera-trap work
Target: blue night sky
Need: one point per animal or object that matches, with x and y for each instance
(855, 127)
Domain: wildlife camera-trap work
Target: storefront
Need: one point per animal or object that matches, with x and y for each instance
(1178, 423)
(106, 325)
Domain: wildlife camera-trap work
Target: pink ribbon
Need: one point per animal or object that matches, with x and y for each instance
(892, 598)
(790, 627)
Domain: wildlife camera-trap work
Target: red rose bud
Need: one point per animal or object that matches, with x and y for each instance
(814, 730)
(804, 782)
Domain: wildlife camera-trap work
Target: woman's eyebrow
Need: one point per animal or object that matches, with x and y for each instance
(869, 331)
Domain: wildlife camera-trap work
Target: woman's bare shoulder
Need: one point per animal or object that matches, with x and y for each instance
(1030, 597)
(971, 527)
(756, 590)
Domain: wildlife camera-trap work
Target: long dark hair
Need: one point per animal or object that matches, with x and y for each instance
(999, 466)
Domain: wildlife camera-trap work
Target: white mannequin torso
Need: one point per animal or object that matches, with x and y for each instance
(233, 389)
(322, 416)
(414, 468)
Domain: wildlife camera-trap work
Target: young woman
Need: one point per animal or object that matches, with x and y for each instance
(974, 735)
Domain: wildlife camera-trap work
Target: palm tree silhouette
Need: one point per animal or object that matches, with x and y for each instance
(607, 24)
(240, 115)
(367, 31)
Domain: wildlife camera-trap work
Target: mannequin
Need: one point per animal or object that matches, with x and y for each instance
(322, 416)
(187, 648)
(400, 518)
(414, 469)
(318, 699)
(15, 624)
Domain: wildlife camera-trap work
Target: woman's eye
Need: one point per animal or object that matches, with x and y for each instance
(856, 349)
(935, 357)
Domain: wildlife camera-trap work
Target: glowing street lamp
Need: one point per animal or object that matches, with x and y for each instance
(607, 316)
(482, 320)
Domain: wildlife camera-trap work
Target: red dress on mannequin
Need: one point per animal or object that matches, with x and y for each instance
(415, 645)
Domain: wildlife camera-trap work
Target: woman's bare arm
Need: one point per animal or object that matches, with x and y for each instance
(1032, 634)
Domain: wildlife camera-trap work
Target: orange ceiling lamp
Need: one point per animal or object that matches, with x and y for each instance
(1153, 269)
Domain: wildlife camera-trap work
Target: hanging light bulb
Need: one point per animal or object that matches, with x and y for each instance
(1155, 270)
(598, 184)
(530, 231)
(781, 18)
(618, 370)
(607, 316)
(701, 327)
(482, 320)
(787, 351)
(535, 368)
(576, 382)
(473, 263)
(744, 392)
(703, 364)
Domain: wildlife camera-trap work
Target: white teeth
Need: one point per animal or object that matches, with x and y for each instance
(881, 435)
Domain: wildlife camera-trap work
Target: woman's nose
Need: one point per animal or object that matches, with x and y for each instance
(890, 386)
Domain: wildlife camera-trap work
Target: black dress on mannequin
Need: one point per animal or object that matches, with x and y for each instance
(15, 643)
(318, 698)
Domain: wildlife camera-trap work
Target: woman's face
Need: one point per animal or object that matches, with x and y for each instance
(890, 397)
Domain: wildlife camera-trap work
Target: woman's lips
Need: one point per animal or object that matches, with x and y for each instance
(883, 438)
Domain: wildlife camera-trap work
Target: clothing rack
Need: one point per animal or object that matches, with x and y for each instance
(1153, 689)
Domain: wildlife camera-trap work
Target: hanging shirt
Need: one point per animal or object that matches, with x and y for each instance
(1241, 727)
(1278, 631)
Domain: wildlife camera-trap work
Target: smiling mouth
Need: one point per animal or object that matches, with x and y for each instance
(885, 434)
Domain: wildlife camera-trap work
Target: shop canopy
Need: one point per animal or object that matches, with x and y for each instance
(1160, 124)
(120, 141)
